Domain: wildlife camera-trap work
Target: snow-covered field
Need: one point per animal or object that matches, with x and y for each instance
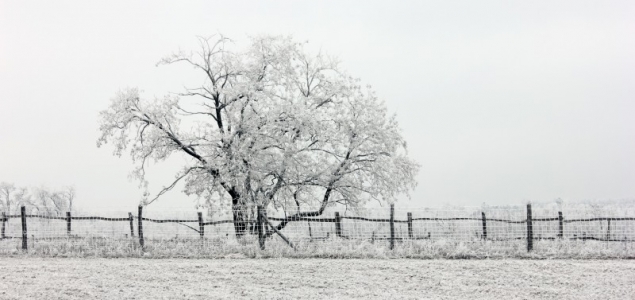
(58, 278)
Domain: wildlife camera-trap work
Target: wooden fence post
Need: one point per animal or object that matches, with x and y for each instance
(260, 223)
(310, 234)
(560, 225)
(410, 235)
(338, 224)
(608, 231)
(68, 223)
(24, 233)
(530, 229)
(140, 226)
(201, 227)
(484, 226)
(4, 220)
(392, 226)
(131, 224)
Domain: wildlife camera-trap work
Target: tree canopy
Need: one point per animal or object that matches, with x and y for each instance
(271, 125)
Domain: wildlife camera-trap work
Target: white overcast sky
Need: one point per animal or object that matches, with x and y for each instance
(500, 102)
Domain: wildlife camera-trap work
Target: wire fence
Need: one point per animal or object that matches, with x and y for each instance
(504, 228)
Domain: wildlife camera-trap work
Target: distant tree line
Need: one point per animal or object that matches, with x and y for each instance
(37, 200)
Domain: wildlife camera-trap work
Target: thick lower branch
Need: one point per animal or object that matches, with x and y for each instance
(299, 215)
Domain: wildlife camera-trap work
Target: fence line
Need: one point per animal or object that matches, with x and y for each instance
(484, 226)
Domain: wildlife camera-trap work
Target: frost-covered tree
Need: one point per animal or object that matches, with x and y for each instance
(271, 125)
(12, 198)
(36, 200)
(52, 202)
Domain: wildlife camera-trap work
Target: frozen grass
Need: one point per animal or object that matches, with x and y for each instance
(49, 278)
(247, 247)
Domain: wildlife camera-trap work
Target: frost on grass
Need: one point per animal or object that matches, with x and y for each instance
(248, 247)
(315, 279)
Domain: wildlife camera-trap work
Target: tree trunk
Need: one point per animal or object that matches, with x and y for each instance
(240, 219)
(239, 212)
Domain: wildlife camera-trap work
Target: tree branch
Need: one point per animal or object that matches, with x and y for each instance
(278, 232)
(166, 189)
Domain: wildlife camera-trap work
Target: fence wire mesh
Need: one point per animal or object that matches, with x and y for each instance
(485, 229)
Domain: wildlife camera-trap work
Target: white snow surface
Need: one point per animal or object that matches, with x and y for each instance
(59, 278)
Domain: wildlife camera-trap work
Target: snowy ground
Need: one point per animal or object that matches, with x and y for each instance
(57, 278)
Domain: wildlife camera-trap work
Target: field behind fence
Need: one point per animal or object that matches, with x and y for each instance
(378, 232)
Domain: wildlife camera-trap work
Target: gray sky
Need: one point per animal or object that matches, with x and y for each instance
(501, 102)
